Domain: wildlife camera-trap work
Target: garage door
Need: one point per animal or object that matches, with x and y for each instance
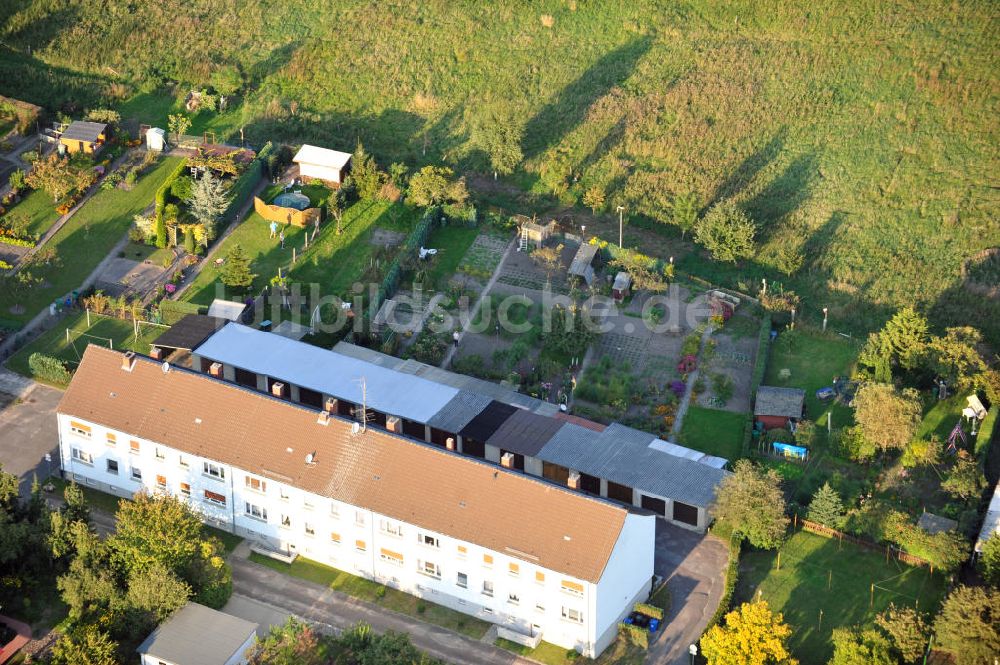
(685, 513)
(658, 506)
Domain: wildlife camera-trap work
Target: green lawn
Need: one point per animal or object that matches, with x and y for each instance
(451, 242)
(813, 359)
(620, 652)
(55, 343)
(390, 599)
(941, 416)
(137, 252)
(810, 564)
(714, 432)
(38, 207)
(83, 242)
(152, 108)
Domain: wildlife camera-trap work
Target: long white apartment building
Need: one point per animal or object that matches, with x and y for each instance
(522, 552)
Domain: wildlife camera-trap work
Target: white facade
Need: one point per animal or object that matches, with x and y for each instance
(322, 163)
(502, 587)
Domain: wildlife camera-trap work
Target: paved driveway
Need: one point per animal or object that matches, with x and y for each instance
(695, 568)
(27, 428)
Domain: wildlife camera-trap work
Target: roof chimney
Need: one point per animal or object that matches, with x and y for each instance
(324, 418)
(156, 353)
(128, 361)
(449, 443)
(215, 369)
(394, 424)
(278, 389)
(573, 482)
(507, 460)
(330, 406)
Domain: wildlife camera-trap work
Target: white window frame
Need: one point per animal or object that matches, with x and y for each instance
(391, 528)
(569, 612)
(256, 512)
(82, 456)
(429, 569)
(215, 502)
(429, 541)
(81, 432)
(460, 583)
(488, 588)
(135, 474)
(117, 466)
(209, 467)
(261, 484)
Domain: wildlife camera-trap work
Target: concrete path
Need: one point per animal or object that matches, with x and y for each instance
(694, 566)
(479, 302)
(686, 399)
(28, 428)
(337, 611)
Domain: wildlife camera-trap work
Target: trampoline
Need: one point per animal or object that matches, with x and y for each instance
(295, 200)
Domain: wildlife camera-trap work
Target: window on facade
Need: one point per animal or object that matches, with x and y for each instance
(488, 560)
(395, 558)
(256, 484)
(488, 610)
(215, 497)
(161, 482)
(133, 447)
(310, 529)
(574, 615)
(391, 528)
(463, 580)
(283, 493)
(213, 471)
(256, 511)
(539, 607)
(185, 489)
(540, 577)
(514, 569)
(182, 461)
(574, 588)
(160, 455)
(136, 474)
(462, 551)
(359, 518)
(111, 439)
(113, 466)
(360, 545)
(430, 541)
(334, 510)
(286, 520)
(488, 588)
(513, 599)
(430, 569)
(79, 429)
(335, 538)
(83, 456)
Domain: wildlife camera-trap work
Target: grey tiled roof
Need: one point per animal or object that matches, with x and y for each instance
(624, 455)
(457, 413)
(198, 635)
(773, 401)
(80, 130)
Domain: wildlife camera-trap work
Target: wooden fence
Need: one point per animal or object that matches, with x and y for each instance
(889, 549)
(273, 213)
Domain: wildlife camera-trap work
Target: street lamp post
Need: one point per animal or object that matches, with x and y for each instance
(825, 312)
(620, 225)
(693, 650)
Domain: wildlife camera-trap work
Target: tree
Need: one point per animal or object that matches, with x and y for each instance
(549, 259)
(906, 337)
(294, 643)
(235, 271)
(955, 356)
(106, 116)
(752, 635)
(499, 135)
(85, 646)
(968, 625)
(888, 418)
(908, 630)
(827, 508)
(684, 212)
(155, 529)
(853, 646)
(593, 198)
(727, 232)
(178, 123)
(153, 595)
(365, 174)
(642, 270)
(226, 80)
(965, 480)
(182, 187)
(18, 181)
(989, 560)
(58, 177)
(435, 185)
(209, 199)
(336, 203)
(751, 501)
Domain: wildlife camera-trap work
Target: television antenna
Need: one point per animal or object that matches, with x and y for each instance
(364, 405)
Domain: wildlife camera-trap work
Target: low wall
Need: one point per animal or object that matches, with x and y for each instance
(520, 638)
(273, 213)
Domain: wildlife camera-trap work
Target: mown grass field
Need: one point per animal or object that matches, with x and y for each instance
(817, 573)
(859, 135)
(106, 332)
(714, 431)
(37, 207)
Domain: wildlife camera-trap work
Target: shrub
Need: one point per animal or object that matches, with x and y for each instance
(181, 188)
(638, 636)
(48, 368)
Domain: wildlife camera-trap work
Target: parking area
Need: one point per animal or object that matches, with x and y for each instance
(27, 428)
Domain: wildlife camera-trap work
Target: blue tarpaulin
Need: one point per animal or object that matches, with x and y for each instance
(788, 450)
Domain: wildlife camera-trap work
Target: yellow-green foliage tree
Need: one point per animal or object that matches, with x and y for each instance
(752, 635)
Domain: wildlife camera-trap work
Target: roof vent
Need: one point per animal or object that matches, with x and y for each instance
(165, 367)
(355, 428)
(128, 361)
(197, 421)
(288, 450)
(323, 418)
(311, 458)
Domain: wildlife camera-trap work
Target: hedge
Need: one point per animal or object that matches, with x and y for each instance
(649, 610)
(160, 200)
(759, 368)
(172, 311)
(732, 574)
(418, 236)
(987, 430)
(48, 368)
(638, 636)
(17, 242)
(245, 184)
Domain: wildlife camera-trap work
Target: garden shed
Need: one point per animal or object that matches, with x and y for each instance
(322, 163)
(156, 139)
(582, 264)
(778, 407)
(620, 289)
(85, 137)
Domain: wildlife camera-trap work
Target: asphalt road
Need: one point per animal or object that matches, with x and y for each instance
(28, 428)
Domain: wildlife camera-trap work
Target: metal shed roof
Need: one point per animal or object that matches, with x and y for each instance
(485, 425)
(323, 371)
(460, 411)
(198, 635)
(630, 457)
(773, 401)
(525, 433)
(189, 332)
(582, 260)
(80, 130)
(311, 154)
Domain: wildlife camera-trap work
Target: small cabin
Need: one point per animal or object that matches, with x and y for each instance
(582, 266)
(621, 287)
(322, 163)
(779, 407)
(84, 137)
(156, 139)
